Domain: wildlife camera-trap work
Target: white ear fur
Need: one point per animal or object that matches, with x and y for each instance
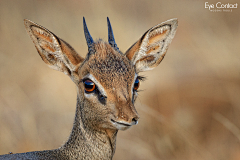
(151, 48)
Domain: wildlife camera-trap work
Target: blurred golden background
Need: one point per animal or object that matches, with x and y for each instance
(190, 104)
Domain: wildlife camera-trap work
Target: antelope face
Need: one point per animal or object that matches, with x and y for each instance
(109, 85)
(107, 79)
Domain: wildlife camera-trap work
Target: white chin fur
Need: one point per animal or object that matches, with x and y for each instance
(122, 127)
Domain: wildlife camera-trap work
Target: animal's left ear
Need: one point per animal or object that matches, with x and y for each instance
(151, 48)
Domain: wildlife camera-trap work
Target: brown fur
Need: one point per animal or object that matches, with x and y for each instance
(97, 120)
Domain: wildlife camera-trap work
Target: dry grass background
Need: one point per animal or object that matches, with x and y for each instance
(190, 104)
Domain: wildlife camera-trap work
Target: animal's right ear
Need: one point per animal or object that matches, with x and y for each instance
(55, 52)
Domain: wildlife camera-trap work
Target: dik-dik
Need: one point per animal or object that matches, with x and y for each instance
(107, 82)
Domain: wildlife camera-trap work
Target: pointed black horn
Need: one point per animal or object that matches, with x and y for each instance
(111, 39)
(87, 34)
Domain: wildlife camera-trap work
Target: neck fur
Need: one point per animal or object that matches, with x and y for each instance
(86, 140)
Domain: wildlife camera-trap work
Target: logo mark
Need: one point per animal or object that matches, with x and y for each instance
(221, 7)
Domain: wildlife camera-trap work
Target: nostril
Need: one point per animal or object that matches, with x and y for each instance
(135, 120)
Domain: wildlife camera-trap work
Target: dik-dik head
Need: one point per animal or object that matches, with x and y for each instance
(107, 79)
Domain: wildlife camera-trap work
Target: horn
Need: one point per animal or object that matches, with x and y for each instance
(111, 39)
(87, 34)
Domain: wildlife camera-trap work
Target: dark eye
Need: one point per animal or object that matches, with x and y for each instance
(89, 86)
(136, 84)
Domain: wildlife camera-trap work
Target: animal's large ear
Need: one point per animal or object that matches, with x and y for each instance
(151, 48)
(55, 52)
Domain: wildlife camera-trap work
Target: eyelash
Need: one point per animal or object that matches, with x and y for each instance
(141, 78)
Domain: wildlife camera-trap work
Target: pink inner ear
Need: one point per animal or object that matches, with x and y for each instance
(41, 34)
(152, 49)
(147, 59)
(158, 34)
(44, 39)
(47, 46)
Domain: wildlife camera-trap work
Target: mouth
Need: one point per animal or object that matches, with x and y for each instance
(121, 125)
